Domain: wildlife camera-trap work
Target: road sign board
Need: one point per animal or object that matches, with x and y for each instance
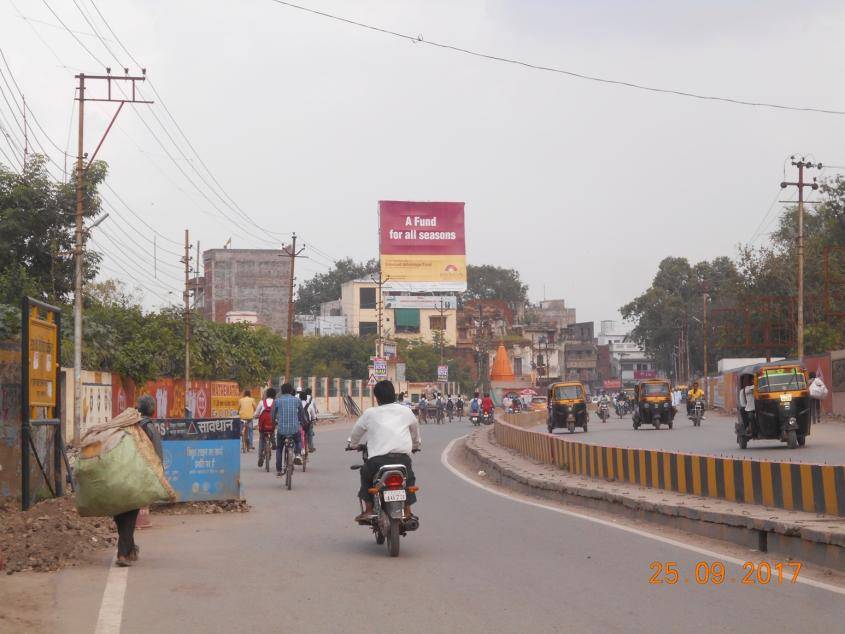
(443, 373)
(372, 382)
(380, 368)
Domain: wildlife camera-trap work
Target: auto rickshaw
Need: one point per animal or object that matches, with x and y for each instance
(773, 402)
(567, 406)
(653, 404)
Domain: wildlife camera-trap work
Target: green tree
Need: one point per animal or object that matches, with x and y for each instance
(495, 282)
(674, 301)
(37, 232)
(325, 287)
(421, 361)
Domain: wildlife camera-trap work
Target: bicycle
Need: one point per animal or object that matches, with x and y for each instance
(267, 452)
(305, 452)
(287, 460)
(244, 437)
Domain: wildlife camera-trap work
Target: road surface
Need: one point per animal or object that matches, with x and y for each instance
(825, 444)
(479, 563)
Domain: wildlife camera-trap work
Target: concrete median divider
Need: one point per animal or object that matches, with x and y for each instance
(792, 486)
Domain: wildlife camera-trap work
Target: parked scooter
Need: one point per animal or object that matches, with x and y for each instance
(389, 491)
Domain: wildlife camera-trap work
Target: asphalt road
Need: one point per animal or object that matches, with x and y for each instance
(825, 444)
(479, 563)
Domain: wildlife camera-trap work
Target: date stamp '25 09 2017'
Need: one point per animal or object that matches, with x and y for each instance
(716, 573)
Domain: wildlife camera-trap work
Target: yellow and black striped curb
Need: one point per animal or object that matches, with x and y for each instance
(793, 486)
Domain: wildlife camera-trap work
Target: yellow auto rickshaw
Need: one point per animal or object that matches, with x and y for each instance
(773, 402)
(653, 404)
(567, 406)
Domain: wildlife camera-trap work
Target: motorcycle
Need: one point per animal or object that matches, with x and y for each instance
(475, 418)
(621, 408)
(604, 414)
(487, 418)
(697, 413)
(390, 491)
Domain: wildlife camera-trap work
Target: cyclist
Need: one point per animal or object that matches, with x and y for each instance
(246, 411)
(459, 406)
(423, 408)
(450, 407)
(289, 417)
(266, 425)
(311, 414)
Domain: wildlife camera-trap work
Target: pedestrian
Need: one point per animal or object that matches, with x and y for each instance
(246, 410)
(818, 392)
(506, 404)
(127, 550)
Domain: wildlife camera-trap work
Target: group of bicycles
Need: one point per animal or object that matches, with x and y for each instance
(267, 445)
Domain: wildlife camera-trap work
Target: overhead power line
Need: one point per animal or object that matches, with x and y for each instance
(418, 39)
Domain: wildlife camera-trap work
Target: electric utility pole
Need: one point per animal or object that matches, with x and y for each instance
(441, 308)
(380, 281)
(705, 299)
(292, 253)
(801, 164)
(186, 297)
(79, 242)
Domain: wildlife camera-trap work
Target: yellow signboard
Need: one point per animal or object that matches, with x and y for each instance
(43, 357)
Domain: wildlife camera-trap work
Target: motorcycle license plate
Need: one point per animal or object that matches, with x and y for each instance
(395, 496)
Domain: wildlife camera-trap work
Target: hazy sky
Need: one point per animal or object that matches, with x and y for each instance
(307, 123)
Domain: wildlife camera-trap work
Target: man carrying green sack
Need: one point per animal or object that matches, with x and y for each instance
(119, 470)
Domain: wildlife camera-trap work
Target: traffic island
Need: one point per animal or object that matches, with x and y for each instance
(807, 537)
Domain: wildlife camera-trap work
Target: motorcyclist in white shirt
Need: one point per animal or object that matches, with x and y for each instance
(391, 433)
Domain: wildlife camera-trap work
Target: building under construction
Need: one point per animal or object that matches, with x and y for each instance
(245, 280)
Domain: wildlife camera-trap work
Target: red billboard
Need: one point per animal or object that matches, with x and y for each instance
(422, 246)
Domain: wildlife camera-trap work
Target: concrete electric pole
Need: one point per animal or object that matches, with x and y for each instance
(801, 164)
(79, 241)
(292, 253)
(186, 297)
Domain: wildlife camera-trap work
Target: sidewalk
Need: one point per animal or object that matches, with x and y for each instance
(804, 536)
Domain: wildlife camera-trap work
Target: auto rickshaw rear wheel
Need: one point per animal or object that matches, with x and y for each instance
(742, 441)
(792, 439)
(802, 440)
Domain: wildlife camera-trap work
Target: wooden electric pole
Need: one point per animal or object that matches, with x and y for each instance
(292, 253)
(79, 234)
(799, 325)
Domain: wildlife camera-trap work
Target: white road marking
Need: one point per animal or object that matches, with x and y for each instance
(444, 459)
(111, 609)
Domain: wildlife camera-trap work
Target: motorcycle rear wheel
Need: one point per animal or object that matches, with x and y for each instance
(393, 539)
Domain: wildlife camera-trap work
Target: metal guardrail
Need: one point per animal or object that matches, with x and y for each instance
(788, 485)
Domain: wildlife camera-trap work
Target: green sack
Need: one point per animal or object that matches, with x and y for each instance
(118, 470)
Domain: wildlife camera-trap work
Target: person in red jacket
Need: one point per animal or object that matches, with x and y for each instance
(487, 404)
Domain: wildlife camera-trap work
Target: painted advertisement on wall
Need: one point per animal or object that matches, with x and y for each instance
(422, 246)
(224, 399)
(10, 418)
(96, 398)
